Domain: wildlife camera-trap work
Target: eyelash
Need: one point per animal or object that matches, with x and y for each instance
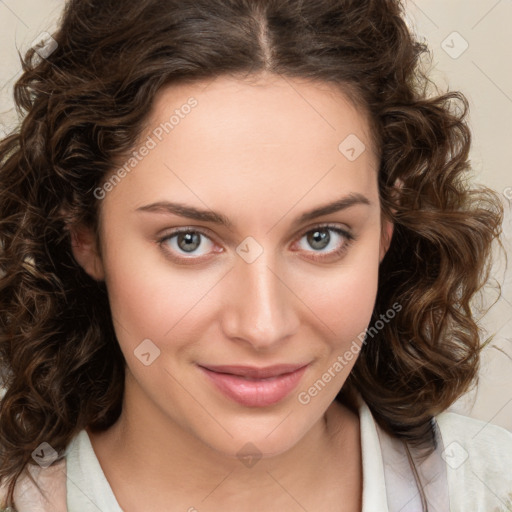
(348, 237)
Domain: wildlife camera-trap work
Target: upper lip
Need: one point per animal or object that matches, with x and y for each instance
(254, 372)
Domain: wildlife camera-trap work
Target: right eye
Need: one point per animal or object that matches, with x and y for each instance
(183, 241)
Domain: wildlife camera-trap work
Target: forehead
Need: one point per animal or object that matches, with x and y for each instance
(264, 110)
(268, 143)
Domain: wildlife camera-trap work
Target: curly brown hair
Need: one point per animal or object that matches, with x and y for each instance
(84, 107)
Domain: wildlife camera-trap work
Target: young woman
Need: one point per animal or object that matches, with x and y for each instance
(239, 249)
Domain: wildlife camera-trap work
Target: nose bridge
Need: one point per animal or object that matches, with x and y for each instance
(261, 305)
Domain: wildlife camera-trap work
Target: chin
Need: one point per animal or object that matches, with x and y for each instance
(264, 444)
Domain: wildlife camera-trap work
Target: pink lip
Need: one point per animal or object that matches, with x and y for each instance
(255, 387)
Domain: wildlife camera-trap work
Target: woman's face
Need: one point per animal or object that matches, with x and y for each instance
(259, 280)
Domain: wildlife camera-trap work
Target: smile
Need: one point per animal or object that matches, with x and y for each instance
(253, 387)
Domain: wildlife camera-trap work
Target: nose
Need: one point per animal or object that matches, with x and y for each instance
(262, 307)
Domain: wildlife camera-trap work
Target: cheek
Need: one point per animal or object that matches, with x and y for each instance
(144, 300)
(347, 309)
(149, 304)
(342, 300)
(152, 299)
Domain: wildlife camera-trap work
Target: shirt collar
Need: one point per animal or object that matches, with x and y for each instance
(374, 485)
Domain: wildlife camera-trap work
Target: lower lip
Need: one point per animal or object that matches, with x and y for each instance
(255, 393)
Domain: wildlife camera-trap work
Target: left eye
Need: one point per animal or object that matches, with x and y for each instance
(320, 238)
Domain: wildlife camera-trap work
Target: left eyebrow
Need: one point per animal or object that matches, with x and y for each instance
(336, 206)
(194, 213)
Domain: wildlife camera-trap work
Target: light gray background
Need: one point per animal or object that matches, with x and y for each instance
(482, 72)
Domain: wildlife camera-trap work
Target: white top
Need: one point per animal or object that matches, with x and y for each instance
(471, 469)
